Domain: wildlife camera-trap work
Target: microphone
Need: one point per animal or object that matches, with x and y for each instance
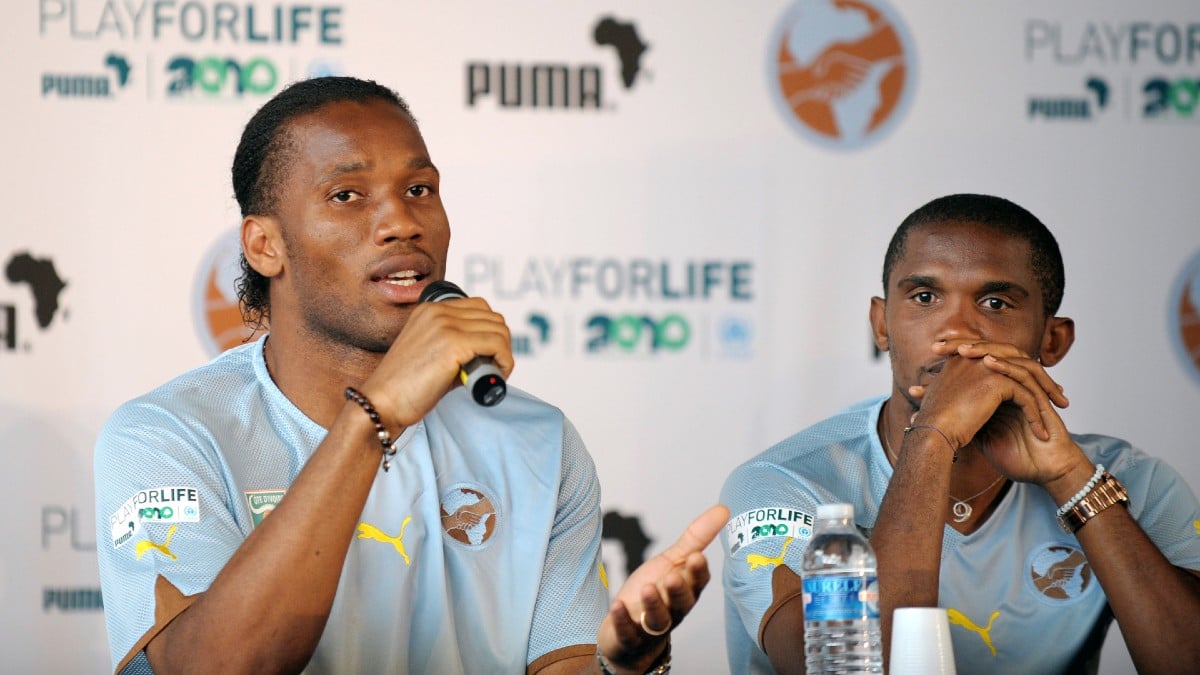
(479, 375)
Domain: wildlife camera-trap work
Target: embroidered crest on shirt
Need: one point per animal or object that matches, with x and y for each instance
(957, 618)
(468, 515)
(262, 503)
(1058, 572)
(146, 545)
(369, 531)
(767, 522)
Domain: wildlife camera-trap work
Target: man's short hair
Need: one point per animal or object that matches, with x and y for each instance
(263, 154)
(996, 213)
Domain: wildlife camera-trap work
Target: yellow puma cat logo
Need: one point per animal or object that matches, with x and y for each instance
(958, 618)
(145, 546)
(1197, 524)
(603, 575)
(756, 561)
(369, 531)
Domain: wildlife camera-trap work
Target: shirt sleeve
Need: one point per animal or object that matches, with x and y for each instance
(1163, 505)
(572, 597)
(771, 522)
(162, 509)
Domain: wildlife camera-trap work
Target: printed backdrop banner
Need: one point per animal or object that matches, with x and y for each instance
(680, 207)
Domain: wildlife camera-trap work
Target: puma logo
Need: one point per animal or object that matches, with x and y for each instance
(756, 561)
(145, 546)
(369, 531)
(960, 619)
(1197, 524)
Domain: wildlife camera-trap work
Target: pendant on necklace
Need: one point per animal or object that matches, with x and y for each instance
(962, 511)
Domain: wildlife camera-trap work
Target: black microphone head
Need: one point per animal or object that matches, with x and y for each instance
(441, 290)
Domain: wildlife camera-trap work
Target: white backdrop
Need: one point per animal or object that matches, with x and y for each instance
(755, 241)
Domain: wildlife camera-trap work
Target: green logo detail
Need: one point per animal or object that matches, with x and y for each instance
(262, 503)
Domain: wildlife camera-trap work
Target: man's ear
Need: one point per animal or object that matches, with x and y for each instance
(1057, 339)
(262, 245)
(879, 323)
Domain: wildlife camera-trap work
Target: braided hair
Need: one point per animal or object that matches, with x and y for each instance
(261, 161)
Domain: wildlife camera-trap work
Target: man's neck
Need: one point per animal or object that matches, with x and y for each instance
(312, 374)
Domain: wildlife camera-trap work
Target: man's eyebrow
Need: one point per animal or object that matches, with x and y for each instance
(914, 280)
(343, 169)
(416, 163)
(423, 163)
(1005, 287)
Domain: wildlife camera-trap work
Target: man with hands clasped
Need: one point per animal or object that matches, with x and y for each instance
(975, 495)
(326, 498)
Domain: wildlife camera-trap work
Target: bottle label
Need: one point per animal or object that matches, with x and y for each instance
(841, 597)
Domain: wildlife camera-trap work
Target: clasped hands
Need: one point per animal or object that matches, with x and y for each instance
(1001, 399)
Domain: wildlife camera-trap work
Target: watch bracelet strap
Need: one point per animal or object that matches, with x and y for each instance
(661, 665)
(1107, 492)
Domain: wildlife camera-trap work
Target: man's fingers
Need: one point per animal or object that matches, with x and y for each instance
(682, 586)
(1031, 405)
(655, 617)
(626, 628)
(1031, 375)
(699, 534)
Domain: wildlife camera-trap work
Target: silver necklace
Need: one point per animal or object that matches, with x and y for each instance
(962, 508)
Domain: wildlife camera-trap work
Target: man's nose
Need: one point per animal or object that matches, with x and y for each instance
(960, 321)
(396, 220)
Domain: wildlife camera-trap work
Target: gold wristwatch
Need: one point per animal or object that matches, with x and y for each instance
(1108, 491)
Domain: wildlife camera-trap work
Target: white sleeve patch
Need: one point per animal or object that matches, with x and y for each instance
(773, 521)
(179, 504)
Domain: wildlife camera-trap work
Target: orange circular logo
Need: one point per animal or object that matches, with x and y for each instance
(214, 296)
(842, 70)
(1185, 315)
(468, 516)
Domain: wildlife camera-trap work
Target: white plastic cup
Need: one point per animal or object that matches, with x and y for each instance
(921, 642)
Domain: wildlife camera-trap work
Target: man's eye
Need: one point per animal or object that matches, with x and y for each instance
(419, 190)
(995, 303)
(924, 297)
(344, 196)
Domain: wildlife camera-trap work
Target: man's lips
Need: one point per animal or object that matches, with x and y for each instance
(930, 372)
(402, 266)
(402, 277)
(935, 368)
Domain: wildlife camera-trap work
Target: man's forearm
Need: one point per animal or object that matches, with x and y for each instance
(267, 608)
(908, 533)
(1156, 604)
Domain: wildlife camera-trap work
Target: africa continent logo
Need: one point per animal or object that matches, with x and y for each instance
(843, 70)
(1185, 315)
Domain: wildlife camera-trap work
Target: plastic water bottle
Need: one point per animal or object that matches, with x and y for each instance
(841, 597)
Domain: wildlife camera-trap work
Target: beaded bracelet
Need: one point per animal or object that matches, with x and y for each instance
(942, 433)
(1083, 492)
(385, 439)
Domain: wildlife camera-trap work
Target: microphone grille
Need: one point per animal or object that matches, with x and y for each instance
(441, 290)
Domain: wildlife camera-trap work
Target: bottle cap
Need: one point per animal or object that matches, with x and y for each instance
(835, 511)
